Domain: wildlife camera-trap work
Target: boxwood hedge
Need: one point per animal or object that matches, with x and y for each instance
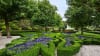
(48, 50)
(68, 50)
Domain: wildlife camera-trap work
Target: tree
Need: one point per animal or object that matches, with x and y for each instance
(58, 22)
(80, 13)
(96, 17)
(45, 14)
(12, 10)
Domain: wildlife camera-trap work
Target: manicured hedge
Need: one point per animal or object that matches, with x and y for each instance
(95, 32)
(68, 50)
(92, 41)
(34, 51)
(48, 50)
(3, 52)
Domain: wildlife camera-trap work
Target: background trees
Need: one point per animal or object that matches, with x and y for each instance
(13, 10)
(81, 13)
(46, 15)
(32, 12)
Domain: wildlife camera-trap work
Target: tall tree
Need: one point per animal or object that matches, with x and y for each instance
(80, 13)
(12, 10)
(45, 14)
(96, 17)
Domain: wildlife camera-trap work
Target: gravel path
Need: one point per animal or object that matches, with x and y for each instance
(56, 52)
(4, 40)
(89, 50)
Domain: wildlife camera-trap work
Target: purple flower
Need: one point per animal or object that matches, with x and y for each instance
(80, 37)
(21, 47)
(68, 42)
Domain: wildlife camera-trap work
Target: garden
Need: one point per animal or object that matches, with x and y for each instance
(45, 44)
(43, 32)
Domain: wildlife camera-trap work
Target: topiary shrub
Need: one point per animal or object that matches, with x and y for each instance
(34, 51)
(48, 50)
(4, 52)
(68, 50)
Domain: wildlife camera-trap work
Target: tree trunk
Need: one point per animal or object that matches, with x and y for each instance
(53, 29)
(31, 24)
(41, 28)
(59, 29)
(82, 31)
(46, 29)
(7, 28)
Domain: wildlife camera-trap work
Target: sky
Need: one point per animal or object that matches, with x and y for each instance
(61, 5)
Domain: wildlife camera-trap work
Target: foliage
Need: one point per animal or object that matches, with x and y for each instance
(14, 10)
(68, 50)
(67, 44)
(82, 14)
(30, 52)
(46, 15)
(48, 50)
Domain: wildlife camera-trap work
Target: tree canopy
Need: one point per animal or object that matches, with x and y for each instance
(46, 15)
(81, 13)
(13, 10)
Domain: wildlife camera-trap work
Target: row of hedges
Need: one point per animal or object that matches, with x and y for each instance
(3, 52)
(91, 41)
(68, 50)
(24, 38)
(58, 41)
(95, 32)
(89, 38)
(34, 51)
(48, 50)
(39, 48)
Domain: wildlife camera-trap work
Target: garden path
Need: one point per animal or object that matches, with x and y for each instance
(4, 40)
(56, 52)
(89, 50)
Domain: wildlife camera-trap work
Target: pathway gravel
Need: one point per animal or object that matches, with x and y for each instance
(4, 40)
(89, 50)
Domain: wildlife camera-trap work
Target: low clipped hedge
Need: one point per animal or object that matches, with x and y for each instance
(44, 50)
(48, 50)
(95, 32)
(68, 50)
(34, 51)
(3, 52)
(89, 42)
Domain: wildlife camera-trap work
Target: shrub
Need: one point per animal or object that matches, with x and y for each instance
(68, 50)
(4, 52)
(48, 50)
(45, 50)
(91, 41)
(34, 51)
